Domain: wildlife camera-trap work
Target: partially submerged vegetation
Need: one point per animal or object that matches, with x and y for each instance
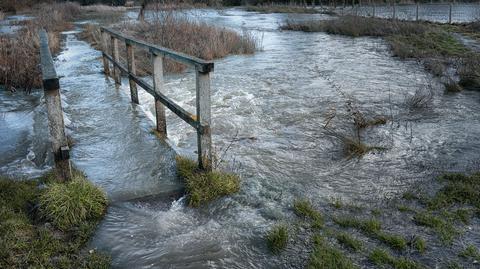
(205, 186)
(40, 227)
(356, 239)
(277, 238)
(432, 44)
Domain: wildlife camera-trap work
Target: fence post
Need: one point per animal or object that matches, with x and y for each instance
(450, 14)
(374, 9)
(394, 15)
(106, 64)
(132, 70)
(416, 13)
(53, 101)
(204, 136)
(158, 86)
(116, 57)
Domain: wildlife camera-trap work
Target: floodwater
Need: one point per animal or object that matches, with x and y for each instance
(271, 107)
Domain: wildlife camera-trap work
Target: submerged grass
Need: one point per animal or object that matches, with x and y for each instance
(205, 186)
(445, 229)
(325, 256)
(277, 238)
(372, 228)
(28, 240)
(381, 257)
(349, 241)
(303, 208)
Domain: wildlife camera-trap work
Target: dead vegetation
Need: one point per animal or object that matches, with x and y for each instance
(174, 30)
(19, 53)
(422, 98)
(283, 8)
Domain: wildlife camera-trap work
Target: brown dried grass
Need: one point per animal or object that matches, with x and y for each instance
(19, 53)
(180, 33)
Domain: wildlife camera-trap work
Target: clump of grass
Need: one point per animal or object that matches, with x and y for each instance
(376, 212)
(349, 241)
(277, 238)
(205, 186)
(303, 208)
(452, 86)
(71, 203)
(404, 208)
(419, 244)
(422, 98)
(280, 9)
(336, 202)
(326, 257)
(459, 189)
(373, 228)
(381, 257)
(444, 229)
(470, 251)
(29, 242)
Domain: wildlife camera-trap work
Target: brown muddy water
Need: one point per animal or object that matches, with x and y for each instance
(271, 107)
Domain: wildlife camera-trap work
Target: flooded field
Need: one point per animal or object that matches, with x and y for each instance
(271, 107)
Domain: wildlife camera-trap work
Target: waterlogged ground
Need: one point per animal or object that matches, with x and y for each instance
(272, 108)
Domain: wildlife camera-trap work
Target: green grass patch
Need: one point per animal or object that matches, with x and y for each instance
(327, 257)
(470, 251)
(29, 241)
(72, 203)
(419, 244)
(445, 229)
(381, 257)
(303, 208)
(372, 228)
(277, 238)
(349, 241)
(205, 186)
(459, 189)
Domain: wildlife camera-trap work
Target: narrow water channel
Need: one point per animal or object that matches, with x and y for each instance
(271, 107)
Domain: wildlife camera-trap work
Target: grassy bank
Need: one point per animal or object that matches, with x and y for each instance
(407, 232)
(432, 44)
(45, 224)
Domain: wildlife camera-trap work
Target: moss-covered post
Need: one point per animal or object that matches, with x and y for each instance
(204, 136)
(158, 87)
(53, 103)
(106, 67)
(131, 70)
(116, 58)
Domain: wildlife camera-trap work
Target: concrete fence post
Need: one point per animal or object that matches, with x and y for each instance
(53, 103)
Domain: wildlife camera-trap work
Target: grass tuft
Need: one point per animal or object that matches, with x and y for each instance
(349, 241)
(327, 257)
(303, 208)
(277, 238)
(203, 187)
(445, 230)
(419, 244)
(470, 251)
(71, 203)
(381, 257)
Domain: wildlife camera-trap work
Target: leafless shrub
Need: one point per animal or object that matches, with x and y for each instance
(422, 98)
(2, 15)
(103, 8)
(284, 8)
(469, 72)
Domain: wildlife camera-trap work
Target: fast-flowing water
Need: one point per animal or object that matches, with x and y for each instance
(271, 107)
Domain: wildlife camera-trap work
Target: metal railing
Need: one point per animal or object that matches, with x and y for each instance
(201, 121)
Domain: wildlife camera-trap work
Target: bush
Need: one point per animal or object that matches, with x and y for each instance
(71, 203)
(205, 186)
